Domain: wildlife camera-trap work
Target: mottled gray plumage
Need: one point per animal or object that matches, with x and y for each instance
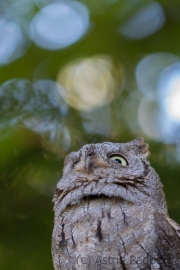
(110, 212)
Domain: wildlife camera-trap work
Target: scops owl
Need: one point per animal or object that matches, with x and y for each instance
(111, 213)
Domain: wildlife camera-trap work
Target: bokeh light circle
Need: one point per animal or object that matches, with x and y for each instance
(144, 22)
(59, 24)
(158, 78)
(13, 39)
(89, 83)
(169, 91)
(149, 69)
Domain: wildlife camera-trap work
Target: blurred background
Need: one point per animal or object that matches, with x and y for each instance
(76, 72)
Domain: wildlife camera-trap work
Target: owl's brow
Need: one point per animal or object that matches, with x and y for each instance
(115, 148)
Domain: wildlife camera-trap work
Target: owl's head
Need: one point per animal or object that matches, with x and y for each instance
(125, 160)
(110, 170)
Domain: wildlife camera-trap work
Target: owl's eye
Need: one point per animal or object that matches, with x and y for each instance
(119, 159)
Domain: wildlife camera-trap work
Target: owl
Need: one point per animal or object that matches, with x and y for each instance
(111, 213)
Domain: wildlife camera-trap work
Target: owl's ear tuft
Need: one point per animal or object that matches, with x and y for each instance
(141, 146)
(138, 141)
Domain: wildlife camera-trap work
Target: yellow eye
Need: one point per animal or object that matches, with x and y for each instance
(119, 159)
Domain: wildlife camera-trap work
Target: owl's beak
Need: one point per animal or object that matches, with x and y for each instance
(89, 164)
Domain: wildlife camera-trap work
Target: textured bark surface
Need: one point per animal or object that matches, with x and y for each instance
(110, 212)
